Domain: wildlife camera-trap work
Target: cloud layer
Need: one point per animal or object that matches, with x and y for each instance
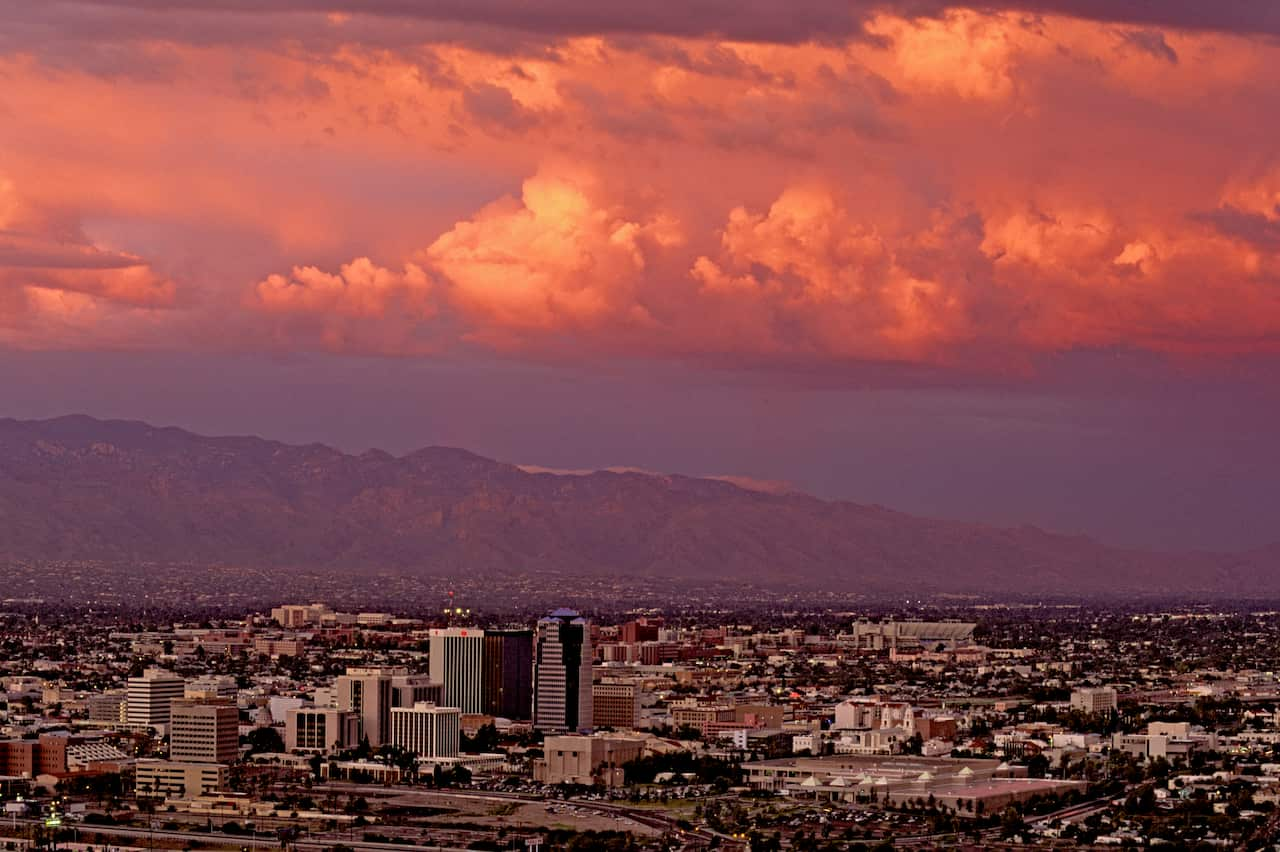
(871, 182)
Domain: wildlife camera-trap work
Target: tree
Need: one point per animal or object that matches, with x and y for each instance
(264, 741)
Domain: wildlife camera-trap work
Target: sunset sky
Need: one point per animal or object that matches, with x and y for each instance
(1017, 262)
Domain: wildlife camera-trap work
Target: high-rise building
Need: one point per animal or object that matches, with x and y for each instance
(204, 731)
(426, 729)
(457, 662)
(321, 729)
(562, 673)
(508, 673)
(150, 697)
(367, 693)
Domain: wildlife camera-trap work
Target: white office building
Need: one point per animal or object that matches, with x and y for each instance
(457, 663)
(150, 698)
(426, 729)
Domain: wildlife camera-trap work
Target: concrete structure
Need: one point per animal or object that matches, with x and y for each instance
(150, 698)
(614, 705)
(211, 687)
(972, 787)
(587, 760)
(1097, 699)
(367, 693)
(109, 707)
(204, 731)
(425, 729)
(562, 673)
(321, 729)
(408, 690)
(904, 635)
(457, 662)
(300, 615)
(177, 778)
(508, 673)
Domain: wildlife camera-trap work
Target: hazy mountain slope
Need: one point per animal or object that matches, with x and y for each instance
(79, 488)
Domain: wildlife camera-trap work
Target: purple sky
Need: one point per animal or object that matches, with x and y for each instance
(1145, 458)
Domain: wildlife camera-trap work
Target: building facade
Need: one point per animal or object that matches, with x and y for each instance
(508, 673)
(457, 663)
(151, 696)
(427, 730)
(321, 729)
(204, 731)
(562, 673)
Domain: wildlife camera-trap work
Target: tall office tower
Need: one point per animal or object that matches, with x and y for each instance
(367, 693)
(508, 673)
(150, 697)
(426, 730)
(204, 731)
(457, 662)
(562, 673)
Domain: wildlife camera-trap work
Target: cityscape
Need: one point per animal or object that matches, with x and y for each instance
(623, 426)
(305, 727)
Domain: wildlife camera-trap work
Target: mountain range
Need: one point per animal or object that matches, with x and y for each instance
(78, 488)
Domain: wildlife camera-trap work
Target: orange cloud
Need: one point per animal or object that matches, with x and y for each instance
(931, 188)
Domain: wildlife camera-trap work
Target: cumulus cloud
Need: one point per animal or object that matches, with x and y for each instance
(52, 277)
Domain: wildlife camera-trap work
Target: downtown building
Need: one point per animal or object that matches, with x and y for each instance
(372, 692)
(508, 674)
(562, 698)
(457, 663)
(149, 698)
(426, 730)
(204, 731)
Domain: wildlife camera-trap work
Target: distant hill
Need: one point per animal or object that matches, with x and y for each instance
(76, 488)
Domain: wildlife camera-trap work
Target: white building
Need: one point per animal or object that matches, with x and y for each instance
(151, 696)
(457, 663)
(426, 729)
(1095, 699)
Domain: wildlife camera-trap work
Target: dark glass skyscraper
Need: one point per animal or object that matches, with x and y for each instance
(562, 673)
(508, 673)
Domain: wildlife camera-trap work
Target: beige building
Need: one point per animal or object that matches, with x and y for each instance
(588, 760)
(178, 778)
(614, 705)
(1099, 699)
(204, 731)
(321, 729)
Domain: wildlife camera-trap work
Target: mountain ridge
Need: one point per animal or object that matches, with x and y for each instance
(76, 487)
